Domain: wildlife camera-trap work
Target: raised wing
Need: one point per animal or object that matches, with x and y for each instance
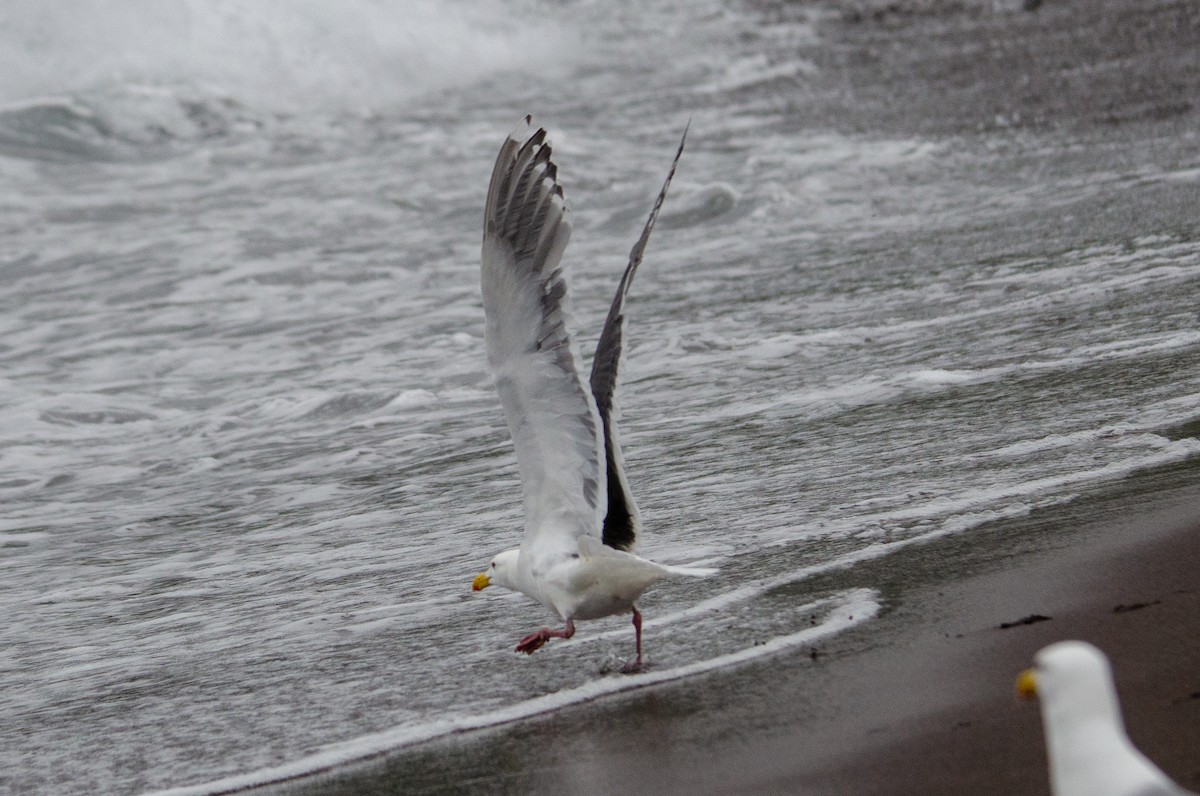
(552, 417)
(621, 520)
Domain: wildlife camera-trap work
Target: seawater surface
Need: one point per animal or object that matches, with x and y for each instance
(250, 454)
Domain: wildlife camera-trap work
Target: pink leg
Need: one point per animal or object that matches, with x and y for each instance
(636, 666)
(534, 641)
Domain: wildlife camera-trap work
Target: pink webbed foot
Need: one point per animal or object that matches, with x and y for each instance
(534, 641)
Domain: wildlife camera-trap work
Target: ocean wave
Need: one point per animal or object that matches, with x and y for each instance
(116, 81)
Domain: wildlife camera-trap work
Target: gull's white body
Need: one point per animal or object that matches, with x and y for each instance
(594, 582)
(580, 517)
(1089, 752)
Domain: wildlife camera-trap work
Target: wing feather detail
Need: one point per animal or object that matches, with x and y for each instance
(552, 416)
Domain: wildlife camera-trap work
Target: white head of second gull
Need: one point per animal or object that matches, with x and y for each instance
(1089, 752)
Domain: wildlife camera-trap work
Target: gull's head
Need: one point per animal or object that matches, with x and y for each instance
(1086, 744)
(1068, 670)
(502, 571)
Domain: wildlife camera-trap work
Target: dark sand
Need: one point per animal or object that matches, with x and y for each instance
(920, 700)
(934, 712)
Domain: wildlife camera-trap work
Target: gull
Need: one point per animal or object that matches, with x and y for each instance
(1089, 752)
(576, 556)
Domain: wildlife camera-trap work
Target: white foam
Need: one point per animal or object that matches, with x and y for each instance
(754, 70)
(293, 55)
(1026, 447)
(845, 610)
(950, 513)
(21, 539)
(943, 376)
(412, 398)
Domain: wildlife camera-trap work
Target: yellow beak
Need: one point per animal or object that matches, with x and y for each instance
(482, 581)
(1027, 684)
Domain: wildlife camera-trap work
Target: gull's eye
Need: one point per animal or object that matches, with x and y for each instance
(493, 565)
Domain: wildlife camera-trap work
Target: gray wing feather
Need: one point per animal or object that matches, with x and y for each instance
(621, 520)
(552, 417)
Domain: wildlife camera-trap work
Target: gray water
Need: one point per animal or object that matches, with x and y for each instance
(250, 454)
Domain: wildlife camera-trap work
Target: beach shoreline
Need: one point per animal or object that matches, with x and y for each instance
(920, 699)
(928, 706)
(934, 711)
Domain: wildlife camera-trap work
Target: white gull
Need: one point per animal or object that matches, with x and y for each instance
(1089, 752)
(580, 518)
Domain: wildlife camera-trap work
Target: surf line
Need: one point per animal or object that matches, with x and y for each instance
(845, 610)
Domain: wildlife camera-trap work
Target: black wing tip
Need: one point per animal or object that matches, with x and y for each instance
(523, 138)
(522, 132)
(537, 139)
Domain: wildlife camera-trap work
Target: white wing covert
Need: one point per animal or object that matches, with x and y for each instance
(551, 414)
